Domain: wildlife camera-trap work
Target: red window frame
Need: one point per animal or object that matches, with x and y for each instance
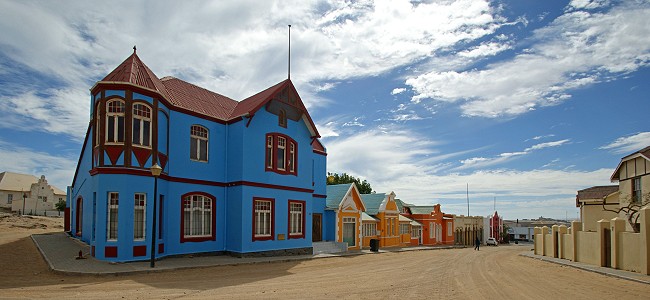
(213, 204)
(290, 154)
(272, 224)
(301, 235)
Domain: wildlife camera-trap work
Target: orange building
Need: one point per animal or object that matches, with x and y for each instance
(383, 208)
(437, 227)
(343, 209)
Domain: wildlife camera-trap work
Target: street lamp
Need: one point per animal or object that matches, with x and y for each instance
(155, 171)
(24, 197)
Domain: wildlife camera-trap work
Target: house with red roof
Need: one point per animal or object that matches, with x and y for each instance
(241, 177)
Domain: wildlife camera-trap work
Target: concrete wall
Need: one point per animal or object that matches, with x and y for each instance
(624, 250)
(593, 213)
(628, 253)
(566, 252)
(588, 248)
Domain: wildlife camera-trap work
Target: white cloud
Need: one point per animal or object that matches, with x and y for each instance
(576, 50)
(58, 170)
(485, 49)
(397, 91)
(483, 162)
(410, 165)
(588, 4)
(629, 144)
(327, 130)
(227, 47)
(547, 145)
(354, 122)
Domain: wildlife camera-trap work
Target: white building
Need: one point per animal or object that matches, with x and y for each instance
(37, 194)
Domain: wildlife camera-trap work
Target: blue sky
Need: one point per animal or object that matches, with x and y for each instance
(525, 102)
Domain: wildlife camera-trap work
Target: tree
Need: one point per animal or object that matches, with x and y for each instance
(60, 206)
(362, 185)
(505, 236)
(631, 209)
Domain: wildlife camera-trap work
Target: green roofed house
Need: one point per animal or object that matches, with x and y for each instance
(384, 208)
(343, 213)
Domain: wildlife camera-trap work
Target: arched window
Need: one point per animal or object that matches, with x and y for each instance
(115, 122)
(282, 118)
(199, 143)
(141, 125)
(198, 217)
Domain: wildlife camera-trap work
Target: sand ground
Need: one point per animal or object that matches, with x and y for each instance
(493, 272)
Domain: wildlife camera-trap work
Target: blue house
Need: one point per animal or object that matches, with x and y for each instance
(238, 177)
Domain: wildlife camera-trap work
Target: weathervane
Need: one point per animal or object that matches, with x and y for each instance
(289, 61)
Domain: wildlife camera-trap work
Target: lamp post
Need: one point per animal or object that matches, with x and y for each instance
(155, 171)
(24, 199)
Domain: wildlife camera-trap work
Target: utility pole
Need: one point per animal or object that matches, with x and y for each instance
(468, 199)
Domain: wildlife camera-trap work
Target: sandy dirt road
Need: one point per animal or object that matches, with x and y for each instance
(493, 272)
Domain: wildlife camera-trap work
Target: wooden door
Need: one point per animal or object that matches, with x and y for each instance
(317, 228)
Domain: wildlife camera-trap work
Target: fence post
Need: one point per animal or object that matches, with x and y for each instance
(536, 231)
(576, 227)
(617, 225)
(561, 232)
(544, 233)
(554, 240)
(644, 243)
(604, 240)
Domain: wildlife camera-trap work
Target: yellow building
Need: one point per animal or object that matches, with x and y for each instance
(591, 201)
(344, 208)
(383, 208)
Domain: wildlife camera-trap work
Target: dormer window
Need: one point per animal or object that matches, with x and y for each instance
(115, 122)
(141, 125)
(282, 118)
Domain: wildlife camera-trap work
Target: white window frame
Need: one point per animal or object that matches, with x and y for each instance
(263, 218)
(139, 216)
(282, 149)
(295, 218)
(113, 202)
(370, 229)
(10, 198)
(116, 114)
(198, 134)
(198, 216)
(141, 115)
(404, 228)
(431, 229)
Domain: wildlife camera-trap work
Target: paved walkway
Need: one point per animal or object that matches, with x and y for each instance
(61, 254)
(633, 276)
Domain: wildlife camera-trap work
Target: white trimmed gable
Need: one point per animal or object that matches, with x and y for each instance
(389, 198)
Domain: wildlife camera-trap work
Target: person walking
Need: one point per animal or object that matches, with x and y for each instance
(477, 244)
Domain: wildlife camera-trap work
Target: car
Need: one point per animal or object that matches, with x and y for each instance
(491, 241)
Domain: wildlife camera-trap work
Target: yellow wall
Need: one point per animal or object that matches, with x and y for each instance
(594, 213)
(357, 227)
(389, 228)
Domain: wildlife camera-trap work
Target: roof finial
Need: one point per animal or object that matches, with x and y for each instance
(289, 61)
(134, 49)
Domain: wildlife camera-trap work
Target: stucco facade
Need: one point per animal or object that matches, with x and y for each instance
(241, 177)
(344, 209)
(38, 195)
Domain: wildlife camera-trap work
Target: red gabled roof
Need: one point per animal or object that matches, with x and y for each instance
(197, 99)
(186, 96)
(134, 71)
(253, 103)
